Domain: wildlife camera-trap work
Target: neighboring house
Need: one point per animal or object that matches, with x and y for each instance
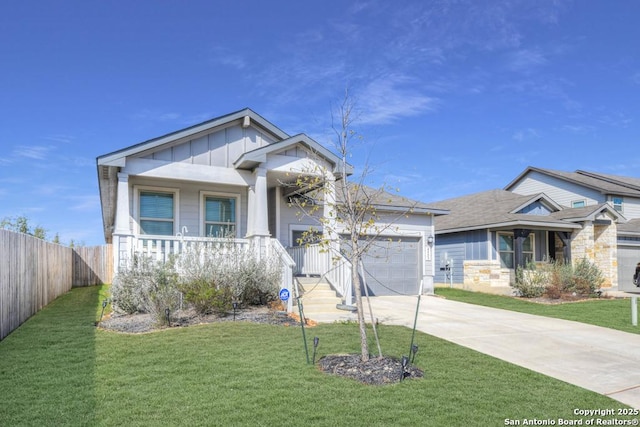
(235, 176)
(583, 188)
(540, 215)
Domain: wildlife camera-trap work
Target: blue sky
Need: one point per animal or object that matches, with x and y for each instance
(453, 97)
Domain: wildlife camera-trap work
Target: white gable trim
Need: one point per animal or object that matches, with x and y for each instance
(253, 158)
(118, 158)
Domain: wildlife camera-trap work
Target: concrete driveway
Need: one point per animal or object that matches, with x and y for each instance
(598, 359)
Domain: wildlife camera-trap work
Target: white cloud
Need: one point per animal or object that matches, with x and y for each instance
(525, 60)
(51, 189)
(387, 99)
(228, 58)
(36, 152)
(85, 203)
(65, 139)
(155, 115)
(523, 134)
(616, 119)
(579, 129)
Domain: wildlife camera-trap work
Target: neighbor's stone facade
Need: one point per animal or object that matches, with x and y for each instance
(487, 276)
(597, 243)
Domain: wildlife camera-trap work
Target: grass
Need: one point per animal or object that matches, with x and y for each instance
(58, 369)
(608, 313)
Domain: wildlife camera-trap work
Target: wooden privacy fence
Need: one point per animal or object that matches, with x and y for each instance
(34, 272)
(92, 265)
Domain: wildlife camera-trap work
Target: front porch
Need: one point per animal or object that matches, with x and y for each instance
(164, 248)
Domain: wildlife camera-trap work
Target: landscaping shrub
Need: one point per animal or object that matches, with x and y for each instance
(212, 278)
(261, 280)
(587, 277)
(147, 286)
(209, 278)
(556, 279)
(530, 281)
(205, 297)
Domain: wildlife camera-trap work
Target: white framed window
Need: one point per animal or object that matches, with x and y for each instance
(156, 210)
(220, 213)
(578, 203)
(506, 249)
(617, 202)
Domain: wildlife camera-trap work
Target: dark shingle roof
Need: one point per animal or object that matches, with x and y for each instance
(491, 209)
(389, 201)
(631, 227)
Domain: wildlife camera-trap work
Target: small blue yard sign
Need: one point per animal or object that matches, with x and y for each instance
(284, 294)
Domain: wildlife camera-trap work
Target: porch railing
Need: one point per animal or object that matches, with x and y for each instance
(161, 248)
(314, 260)
(288, 266)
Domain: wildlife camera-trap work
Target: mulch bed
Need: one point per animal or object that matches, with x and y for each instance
(376, 371)
(142, 323)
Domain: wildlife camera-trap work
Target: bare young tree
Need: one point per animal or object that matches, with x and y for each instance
(350, 209)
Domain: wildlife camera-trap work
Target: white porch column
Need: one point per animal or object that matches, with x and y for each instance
(122, 232)
(258, 215)
(122, 225)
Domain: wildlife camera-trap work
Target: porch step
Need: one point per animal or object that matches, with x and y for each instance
(320, 301)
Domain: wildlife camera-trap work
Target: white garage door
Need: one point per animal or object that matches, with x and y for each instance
(393, 267)
(628, 257)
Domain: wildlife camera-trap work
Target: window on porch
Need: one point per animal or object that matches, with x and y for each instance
(220, 216)
(156, 213)
(507, 251)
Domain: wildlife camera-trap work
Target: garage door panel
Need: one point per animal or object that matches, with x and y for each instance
(393, 267)
(628, 257)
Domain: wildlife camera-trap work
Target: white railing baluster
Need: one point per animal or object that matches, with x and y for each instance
(313, 260)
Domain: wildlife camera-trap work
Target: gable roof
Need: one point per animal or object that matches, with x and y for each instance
(605, 184)
(116, 158)
(252, 159)
(495, 209)
(384, 200)
(630, 228)
(587, 213)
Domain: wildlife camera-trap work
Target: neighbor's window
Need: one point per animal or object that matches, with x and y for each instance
(220, 216)
(506, 249)
(617, 203)
(156, 213)
(578, 204)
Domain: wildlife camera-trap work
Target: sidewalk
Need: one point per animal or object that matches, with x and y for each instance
(599, 359)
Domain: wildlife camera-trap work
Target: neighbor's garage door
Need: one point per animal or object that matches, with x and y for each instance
(628, 257)
(393, 267)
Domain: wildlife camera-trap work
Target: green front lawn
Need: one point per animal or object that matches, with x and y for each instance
(58, 369)
(608, 313)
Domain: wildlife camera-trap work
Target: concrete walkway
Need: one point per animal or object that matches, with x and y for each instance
(599, 359)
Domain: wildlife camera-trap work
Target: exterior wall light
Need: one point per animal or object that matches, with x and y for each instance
(430, 240)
